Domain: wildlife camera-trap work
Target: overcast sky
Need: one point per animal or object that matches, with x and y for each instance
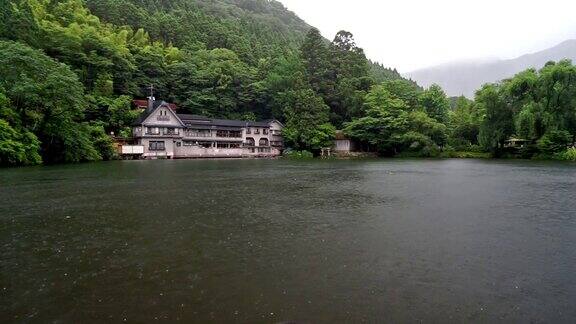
(412, 34)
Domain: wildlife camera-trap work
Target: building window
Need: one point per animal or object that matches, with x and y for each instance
(248, 130)
(163, 116)
(265, 131)
(198, 133)
(263, 142)
(156, 146)
(257, 131)
(229, 134)
(250, 142)
(171, 131)
(152, 131)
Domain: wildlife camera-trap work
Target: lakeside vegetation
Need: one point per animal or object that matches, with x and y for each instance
(70, 68)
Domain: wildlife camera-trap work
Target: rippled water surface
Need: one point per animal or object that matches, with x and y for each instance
(276, 241)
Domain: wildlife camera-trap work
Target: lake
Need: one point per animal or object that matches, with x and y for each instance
(260, 241)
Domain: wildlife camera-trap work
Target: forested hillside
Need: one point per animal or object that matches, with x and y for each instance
(69, 70)
(253, 29)
(226, 58)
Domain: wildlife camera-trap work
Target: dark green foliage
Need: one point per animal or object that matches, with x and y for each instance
(46, 99)
(214, 83)
(464, 124)
(498, 124)
(380, 73)
(394, 123)
(307, 126)
(554, 142)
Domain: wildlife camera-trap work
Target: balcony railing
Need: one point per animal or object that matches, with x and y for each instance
(195, 134)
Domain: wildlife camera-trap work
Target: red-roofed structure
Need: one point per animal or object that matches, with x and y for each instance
(143, 104)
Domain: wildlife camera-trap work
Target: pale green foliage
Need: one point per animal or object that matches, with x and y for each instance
(18, 147)
(568, 155)
(538, 106)
(298, 155)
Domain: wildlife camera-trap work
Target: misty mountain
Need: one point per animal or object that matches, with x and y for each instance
(464, 78)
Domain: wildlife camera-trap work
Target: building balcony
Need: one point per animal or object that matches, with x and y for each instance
(197, 136)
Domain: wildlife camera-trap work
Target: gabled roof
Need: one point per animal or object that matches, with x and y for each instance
(157, 104)
(270, 121)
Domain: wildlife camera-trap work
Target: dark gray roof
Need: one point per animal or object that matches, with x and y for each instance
(192, 117)
(202, 121)
(196, 120)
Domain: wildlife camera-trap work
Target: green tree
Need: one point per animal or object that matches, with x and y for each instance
(464, 124)
(48, 100)
(498, 123)
(404, 90)
(392, 126)
(435, 103)
(315, 58)
(214, 83)
(307, 125)
(16, 147)
(350, 76)
(386, 118)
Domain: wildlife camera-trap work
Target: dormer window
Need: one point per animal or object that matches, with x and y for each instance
(163, 116)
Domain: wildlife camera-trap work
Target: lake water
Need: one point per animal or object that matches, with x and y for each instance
(281, 241)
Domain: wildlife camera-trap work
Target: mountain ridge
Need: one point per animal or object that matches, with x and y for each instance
(465, 77)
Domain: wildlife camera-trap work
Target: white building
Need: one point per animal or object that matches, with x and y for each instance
(162, 133)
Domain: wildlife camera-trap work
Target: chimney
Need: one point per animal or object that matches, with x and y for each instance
(150, 104)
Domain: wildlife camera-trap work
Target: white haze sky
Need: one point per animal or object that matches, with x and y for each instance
(412, 34)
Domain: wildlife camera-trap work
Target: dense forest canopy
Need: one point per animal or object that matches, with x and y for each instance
(70, 69)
